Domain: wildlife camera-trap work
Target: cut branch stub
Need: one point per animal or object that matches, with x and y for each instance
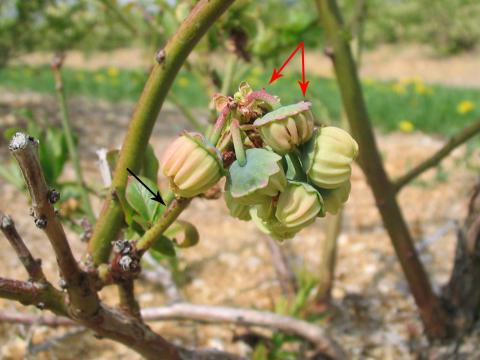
(32, 265)
(83, 299)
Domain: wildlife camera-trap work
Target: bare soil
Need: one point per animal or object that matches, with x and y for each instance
(374, 316)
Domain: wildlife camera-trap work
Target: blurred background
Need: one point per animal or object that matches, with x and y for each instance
(419, 63)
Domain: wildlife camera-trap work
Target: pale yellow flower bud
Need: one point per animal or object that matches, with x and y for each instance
(192, 165)
(328, 156)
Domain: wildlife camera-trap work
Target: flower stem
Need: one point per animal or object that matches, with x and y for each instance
(238, 142)
(201, 18)
(174, 209)
(72, 149)
(219, 126)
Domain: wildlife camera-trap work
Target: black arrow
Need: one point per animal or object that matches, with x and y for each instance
(156, 197)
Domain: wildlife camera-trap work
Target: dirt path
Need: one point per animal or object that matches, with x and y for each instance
(375, 316)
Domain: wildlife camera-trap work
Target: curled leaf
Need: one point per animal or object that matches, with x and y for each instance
(183, 234)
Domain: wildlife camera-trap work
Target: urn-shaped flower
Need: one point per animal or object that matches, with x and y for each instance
(272, 227)
(298, 205)
(327, 157)
(236, 209)
(192, 165)
(335, 198)
(286, 127)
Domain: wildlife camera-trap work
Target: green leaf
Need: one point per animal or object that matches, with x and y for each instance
(139, 198)
(150, 164)
(293, 168)
(12, 174)
(260, 352)
(164, 246)
(53, 154)
(183, 234)
(255, 174)
(139, 224)
(8, 133)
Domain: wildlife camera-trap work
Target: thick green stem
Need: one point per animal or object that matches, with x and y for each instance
(238, 142)
(72, 149)
(431, 311)
(170, 60)
(168, 217)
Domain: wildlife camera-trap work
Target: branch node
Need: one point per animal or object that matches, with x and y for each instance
(160, 56)
(328, 51)
(41, 222)
(40, 306)
(6, 222)
(63, 284)
(53, 196)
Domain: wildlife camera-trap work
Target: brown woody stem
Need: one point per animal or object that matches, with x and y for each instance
(83, 299)
(33, 266)
(431, 311)
(317, 335)
(128, 303)
(42, 295)
(454, 142)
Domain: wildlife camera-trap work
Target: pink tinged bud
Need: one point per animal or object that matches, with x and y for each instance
(287, 127)
(334, 199)
(192, 165)
(299, 205)
(327, 157)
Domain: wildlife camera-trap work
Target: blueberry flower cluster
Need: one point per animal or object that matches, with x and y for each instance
(281, 171)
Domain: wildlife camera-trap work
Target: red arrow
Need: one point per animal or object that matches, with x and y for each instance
(303, 84)
(278, 73)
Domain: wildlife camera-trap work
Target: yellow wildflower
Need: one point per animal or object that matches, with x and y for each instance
(369, 81)
(99, 78)
(422, 89)
(411, 80)
(183, 82)
(399, 88)
(406, 126)
(113, 72)
(465, 106)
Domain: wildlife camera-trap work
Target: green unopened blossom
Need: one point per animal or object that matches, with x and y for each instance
(236, 209)
(287, 127)
(335, 198)
(327, 157)
(298, 205)
(192, 165)
(273, 227)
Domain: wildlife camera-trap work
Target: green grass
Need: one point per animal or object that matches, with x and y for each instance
(430, 108)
